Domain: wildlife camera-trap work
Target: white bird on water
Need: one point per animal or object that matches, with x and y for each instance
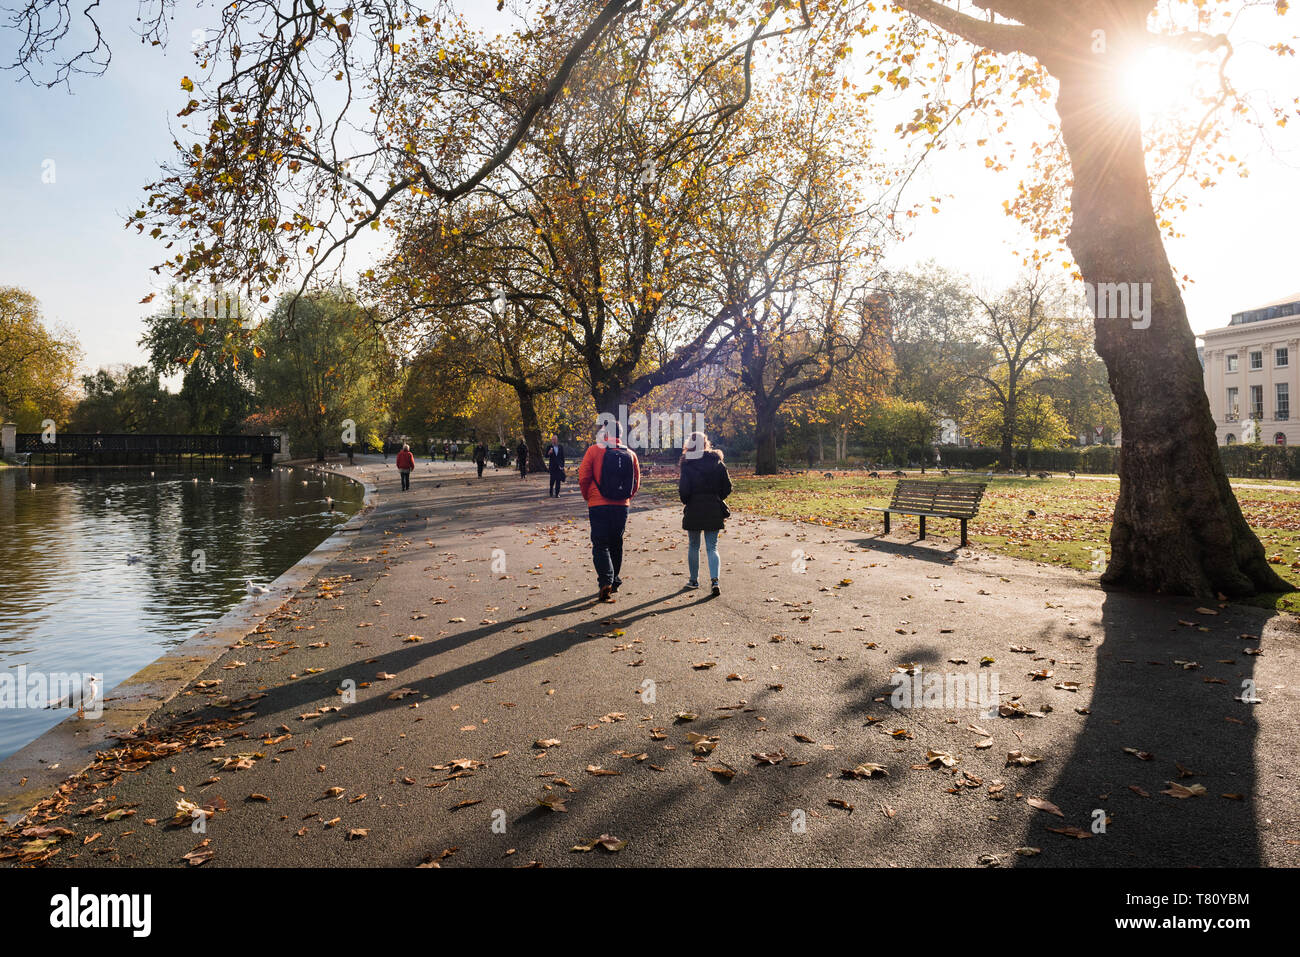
(255, 589)
(81, 696)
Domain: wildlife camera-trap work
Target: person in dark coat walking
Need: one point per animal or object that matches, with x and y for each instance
(521, 458)
(555, 465)
(703, 488)
(480, 457)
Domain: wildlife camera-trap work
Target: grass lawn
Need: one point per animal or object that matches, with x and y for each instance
(1071, 524)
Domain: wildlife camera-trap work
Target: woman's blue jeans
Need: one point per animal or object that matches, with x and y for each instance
(710, 548)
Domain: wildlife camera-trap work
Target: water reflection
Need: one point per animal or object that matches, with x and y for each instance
(100, 569)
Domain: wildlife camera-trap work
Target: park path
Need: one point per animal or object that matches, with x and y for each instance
(501, 714)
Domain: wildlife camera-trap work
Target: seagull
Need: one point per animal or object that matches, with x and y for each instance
(80, 696)
(108, 501)
(33, 485)
(255, 589)
(151, 475)
(196, 481)
(132, 559)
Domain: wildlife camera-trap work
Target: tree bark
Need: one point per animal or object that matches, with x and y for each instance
(1177, 527)
(532, 428)
(765, 434)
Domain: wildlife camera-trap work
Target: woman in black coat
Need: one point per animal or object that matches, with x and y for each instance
(703, 487)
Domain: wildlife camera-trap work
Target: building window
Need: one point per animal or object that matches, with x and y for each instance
(1283, 401)
(1279, 438)
(1233, 412)
(1257, 360)
(1257, 402)
(1232, 362)
(1281, 357)
(1230, 440)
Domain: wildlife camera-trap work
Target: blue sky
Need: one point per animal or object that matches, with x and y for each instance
(65, 241)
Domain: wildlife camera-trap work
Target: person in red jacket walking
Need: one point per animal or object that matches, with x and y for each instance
(608, 477)
(405, 462)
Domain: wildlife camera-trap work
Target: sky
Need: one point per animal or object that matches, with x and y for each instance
(73, 164)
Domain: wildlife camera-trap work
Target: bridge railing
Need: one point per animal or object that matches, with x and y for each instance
(65, 443)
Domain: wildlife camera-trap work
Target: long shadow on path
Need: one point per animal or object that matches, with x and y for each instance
(1187, 729)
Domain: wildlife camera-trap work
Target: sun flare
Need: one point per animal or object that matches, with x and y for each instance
(1162, 82)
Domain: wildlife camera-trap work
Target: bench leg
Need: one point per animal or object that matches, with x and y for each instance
(963, 533)
(922, 517)
(886, 523)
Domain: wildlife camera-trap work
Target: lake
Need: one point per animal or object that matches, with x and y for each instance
(102, 569)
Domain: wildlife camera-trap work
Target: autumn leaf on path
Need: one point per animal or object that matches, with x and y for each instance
(606, 842)
(1184, 791)
(1044, 805)
(865, 770)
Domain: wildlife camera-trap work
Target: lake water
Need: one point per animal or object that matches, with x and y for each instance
(98, 571)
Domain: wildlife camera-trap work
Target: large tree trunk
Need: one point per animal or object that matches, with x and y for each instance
(765, 436)
(1177, 525)
(532, 428)
(1007, 455)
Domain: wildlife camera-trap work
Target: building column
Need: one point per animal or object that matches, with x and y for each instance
(283, 454)
(9, 439)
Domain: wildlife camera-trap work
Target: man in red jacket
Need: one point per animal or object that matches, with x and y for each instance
(608, 477)
(405, 462)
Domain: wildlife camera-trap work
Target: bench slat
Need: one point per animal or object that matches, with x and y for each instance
(943, 499)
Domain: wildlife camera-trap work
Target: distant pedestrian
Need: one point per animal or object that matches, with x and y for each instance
(521, 458)
(608, 477)
(812, 455)
(555, 465)
(405, 462)
(350, 451)
(433, 452)
(480, 457)
(703, 487)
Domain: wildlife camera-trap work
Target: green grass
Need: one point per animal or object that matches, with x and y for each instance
(1071, 524)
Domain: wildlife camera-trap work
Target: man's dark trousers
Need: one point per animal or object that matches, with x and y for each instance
(607, 525)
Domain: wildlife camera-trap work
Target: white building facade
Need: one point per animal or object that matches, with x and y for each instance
(1252, 374)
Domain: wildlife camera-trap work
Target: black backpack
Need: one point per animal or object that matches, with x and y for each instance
(617, 474)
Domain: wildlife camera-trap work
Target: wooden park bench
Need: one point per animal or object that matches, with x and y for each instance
(960, 500)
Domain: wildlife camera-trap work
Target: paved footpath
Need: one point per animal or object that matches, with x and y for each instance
(502, 717)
